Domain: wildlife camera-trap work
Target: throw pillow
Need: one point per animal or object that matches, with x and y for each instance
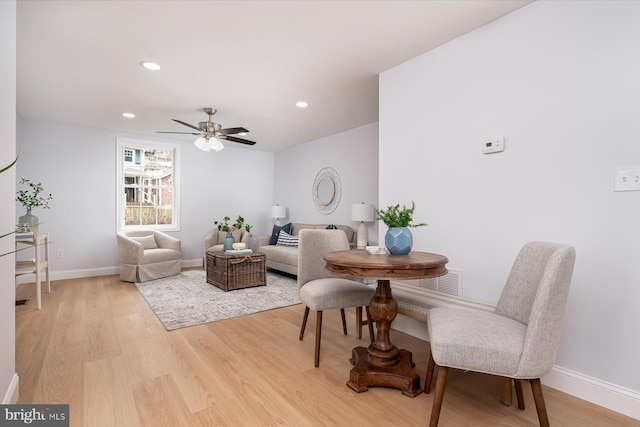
(331, 227)
(276, 231)
(286, 239)
(148, 242)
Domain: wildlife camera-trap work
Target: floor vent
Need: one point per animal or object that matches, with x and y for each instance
(450, 283)
(22, 302)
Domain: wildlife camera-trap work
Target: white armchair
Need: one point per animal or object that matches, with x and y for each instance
(147, 255)
(214, 241)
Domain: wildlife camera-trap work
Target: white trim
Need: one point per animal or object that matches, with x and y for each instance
(607, 395)
(92, 272)
(414, 303)
(13, 392)
(121, 143)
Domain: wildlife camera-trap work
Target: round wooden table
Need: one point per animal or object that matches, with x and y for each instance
(382, 363)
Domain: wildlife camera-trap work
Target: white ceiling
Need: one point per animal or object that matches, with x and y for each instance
(78, 62)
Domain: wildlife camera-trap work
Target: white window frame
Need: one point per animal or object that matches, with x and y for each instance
(121, 143)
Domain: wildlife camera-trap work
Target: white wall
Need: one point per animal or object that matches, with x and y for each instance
(560, 81)
(78, 166)
(353, 154)
(8, 377)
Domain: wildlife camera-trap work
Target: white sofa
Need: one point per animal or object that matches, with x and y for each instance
(285, 258)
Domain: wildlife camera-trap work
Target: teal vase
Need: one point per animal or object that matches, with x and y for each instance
(228, 242)
(398, 240)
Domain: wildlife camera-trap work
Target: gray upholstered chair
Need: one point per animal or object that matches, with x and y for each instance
(320, 290)
(147, 255)
(520, 339)
(214, 241)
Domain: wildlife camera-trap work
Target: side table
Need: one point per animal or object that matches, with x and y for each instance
(36, 265)
(382, 363)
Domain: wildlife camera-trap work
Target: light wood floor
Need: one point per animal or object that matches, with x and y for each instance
(97, 346)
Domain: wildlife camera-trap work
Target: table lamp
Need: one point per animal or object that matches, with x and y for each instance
(278, 212)
(363, 213)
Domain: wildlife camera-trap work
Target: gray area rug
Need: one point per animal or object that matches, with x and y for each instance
(188, 300)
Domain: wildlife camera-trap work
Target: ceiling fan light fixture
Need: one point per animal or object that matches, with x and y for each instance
(302, 104)
(202, 144)
(128, 115)
(151, 66)
(215, 144)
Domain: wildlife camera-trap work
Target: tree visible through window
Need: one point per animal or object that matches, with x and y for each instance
(146, 176)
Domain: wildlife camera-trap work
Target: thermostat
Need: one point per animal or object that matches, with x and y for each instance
(494, 145)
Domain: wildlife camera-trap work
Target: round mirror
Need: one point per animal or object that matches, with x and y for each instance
(327, 190)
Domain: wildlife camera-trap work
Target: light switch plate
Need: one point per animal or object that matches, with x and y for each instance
(494, 145)
(627, 178)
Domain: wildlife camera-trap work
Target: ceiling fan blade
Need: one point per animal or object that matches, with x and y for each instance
(240, 140)
(186, 124)
(230, 131)
(183, 133)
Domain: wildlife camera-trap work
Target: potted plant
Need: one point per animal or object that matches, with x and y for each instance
(223, 225)
(399, 239)
(30, 198)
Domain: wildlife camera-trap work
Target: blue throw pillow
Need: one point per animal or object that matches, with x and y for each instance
(276, 232)
(331, 227)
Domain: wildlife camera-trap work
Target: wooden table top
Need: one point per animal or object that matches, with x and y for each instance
(360, 263)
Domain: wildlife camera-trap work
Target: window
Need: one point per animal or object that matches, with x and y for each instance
(147, 178)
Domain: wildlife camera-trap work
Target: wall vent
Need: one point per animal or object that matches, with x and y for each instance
(450, 283)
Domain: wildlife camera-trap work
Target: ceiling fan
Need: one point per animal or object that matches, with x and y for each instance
(210, 134)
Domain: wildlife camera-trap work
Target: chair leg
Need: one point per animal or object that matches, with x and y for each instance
(304, 322)
(429, 379)
(519, 394)
(536, 388)
(344, 321)
(318, 334)
(441, 382)
(370, 325)
(359, 321)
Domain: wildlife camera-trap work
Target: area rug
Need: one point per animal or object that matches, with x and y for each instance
(188, 300)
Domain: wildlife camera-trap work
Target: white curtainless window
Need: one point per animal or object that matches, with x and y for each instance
(147, 185)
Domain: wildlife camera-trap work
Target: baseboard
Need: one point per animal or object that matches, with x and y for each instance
(592, 390)
(13, 392)
(92, 272)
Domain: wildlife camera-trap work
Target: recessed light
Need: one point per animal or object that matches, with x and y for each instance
(128, 115)
(151, 66)
(301, 104)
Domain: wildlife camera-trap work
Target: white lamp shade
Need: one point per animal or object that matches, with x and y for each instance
(362, 212)
(202, 144)
(215, 144)
(278, 211)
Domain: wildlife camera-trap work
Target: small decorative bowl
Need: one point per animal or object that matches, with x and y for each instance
(239, 246)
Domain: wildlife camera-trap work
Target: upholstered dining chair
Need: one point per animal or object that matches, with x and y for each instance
(320, 290)
(519, 340)
(148, 255)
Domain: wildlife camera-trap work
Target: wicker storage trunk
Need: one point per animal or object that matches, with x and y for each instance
(229, 272)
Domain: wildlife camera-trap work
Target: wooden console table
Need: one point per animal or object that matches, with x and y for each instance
(382, 363)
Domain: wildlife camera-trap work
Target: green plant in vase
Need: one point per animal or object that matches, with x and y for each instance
(398, 238)
(239, 224)
(31, 198)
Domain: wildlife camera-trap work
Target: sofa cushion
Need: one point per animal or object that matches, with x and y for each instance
(281, 254)
(295, 229)
(276, 232)
(286, 239)
(148, 242)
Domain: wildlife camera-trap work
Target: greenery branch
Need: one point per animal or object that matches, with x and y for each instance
(393, 216)
(223, 225)
(31, 198)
